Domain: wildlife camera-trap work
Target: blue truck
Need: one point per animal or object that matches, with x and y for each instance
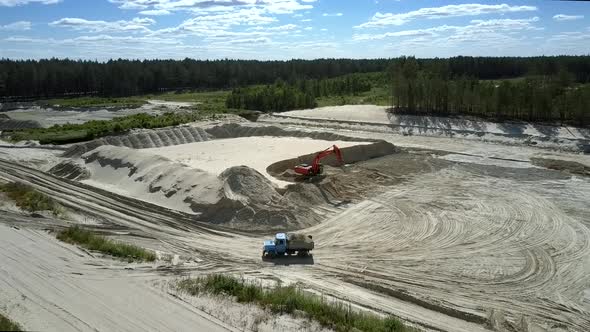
(287, 244)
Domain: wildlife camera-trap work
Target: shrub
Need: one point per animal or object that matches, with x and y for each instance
(91, 241)
(286, 300)
(8, 325)
(29, 199)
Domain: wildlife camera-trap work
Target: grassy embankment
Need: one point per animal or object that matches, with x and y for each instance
(8, 325)
(127, 102)
(91, 241)
(288, 300)
(29, 199)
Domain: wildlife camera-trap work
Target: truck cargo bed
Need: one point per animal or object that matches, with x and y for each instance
(299, 242)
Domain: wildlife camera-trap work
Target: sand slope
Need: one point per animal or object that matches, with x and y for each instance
(47, 285)
(239, 196)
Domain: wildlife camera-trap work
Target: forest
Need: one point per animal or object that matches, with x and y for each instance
(282, 96)
(115, 78)
(560, 95)
(58, 78)
(546, 89)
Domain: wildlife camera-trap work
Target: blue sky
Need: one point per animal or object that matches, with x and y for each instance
(286, 29)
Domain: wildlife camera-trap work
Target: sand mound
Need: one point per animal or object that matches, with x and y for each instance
(71, 170)
(8, 124)
(350, 155)
(234, 130)
(562, 165)
(188, 134)
(240, 196)
(143, 139)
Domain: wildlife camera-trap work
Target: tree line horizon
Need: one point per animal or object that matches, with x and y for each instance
(553, 88)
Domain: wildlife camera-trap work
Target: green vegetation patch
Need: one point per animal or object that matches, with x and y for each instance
(288, 300)
(91, 241)
(193, 96)
(72, 133)
(129, 102)
(8, 325)
(29, 199)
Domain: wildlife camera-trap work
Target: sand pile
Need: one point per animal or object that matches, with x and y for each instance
(189, 134)
(71, 170)
(234, 130)
(6, 123)
(144, 139)
(240, 196)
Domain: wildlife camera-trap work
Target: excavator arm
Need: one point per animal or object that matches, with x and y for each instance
(315, 168)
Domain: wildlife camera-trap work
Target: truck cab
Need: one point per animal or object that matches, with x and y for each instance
(275, 247)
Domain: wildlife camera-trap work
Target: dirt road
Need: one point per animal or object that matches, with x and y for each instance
(47, 285)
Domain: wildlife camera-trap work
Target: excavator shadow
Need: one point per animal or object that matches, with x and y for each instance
(290, 260)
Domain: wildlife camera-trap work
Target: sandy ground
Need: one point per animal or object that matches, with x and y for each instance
(376, 119)
(217, 155)
(46, 285)
(169, 103)
(37, 158)
(462, 235)
(378, 114)
(49, 117)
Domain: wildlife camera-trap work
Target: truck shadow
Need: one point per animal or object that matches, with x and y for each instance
(290, 260)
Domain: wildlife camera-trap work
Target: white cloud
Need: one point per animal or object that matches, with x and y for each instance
(382, 20)
(17, 26)
(260, 40)
(199, 6)
(155, 12)
(207, 25)
(563, 17)
(136, 24)
(332, 14)
(13, 3)
(477, 27)
(306, 20)
(308, 28)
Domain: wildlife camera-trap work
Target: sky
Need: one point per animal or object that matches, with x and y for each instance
(287, 29)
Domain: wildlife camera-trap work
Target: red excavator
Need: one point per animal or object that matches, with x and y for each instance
(316, 167)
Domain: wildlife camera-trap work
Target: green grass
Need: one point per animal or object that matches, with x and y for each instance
(8, 325)
(91, 241)
(29, 199)
(288, 300)
(129, 102)
(194, 97)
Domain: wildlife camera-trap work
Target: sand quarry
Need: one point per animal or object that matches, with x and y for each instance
(448, 224)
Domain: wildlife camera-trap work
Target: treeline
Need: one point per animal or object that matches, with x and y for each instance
(54, 77)
(282, 96)
(432, 90)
